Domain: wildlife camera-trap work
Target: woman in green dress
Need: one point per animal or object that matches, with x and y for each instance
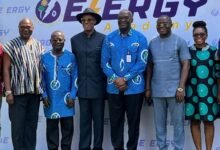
(201, 91)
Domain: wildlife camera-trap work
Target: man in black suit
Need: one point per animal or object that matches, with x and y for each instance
(91, 80)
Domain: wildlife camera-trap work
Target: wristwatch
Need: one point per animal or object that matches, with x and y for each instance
(180, 89)
(8, 93)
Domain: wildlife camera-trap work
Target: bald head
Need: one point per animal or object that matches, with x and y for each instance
(126, 11)
(165, 17)
(125, 18)
(57, 41)
(26, 21)
(57, 33)
(25, 28)
(164, 24)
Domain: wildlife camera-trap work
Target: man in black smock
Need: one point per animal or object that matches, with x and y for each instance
(91, 80)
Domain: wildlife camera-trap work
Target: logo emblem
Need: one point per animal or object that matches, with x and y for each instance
(137, 80)
(66, 97)
(55, 115)
(48, 10)
(68, 70)
(144, 55)
(55, 84)
(122, 65)
(76, 83)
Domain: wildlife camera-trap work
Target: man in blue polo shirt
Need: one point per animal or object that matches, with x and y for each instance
(124, 57)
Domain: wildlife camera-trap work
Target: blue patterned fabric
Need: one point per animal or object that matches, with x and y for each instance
(116, 48)
(59, 82)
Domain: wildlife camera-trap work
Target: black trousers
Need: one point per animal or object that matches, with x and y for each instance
(23, 115)
(91, 115)
(119, 104)
(67, 128)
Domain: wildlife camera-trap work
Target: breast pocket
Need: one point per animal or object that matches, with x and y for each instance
(133, 51)
(47, 68)
(174, 54)
(66, 70)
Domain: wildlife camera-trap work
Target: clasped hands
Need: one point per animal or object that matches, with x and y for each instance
(121, 84)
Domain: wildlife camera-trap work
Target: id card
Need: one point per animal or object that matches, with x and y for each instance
(128, 58)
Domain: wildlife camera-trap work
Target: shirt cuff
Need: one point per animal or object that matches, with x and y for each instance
(44, 95)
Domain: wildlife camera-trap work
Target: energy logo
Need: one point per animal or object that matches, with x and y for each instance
(48, 10)
(137, 80)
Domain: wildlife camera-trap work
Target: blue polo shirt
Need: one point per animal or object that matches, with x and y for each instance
(166, 55)
(125, 56)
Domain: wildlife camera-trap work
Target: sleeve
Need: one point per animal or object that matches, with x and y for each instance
(43, 83)
(217, 64)
(106, 60)
(217, 55)
(1, 64)
(8, 49)
(217, 69)
(184, 53)
(74, 74)
(140, 64)
(218, 51)
(150, 57)
(41, 48)
(72, 45)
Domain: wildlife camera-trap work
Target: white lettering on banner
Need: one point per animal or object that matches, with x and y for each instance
(4, 140)
(183, 13)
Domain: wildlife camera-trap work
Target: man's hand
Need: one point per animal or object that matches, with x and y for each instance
(46, 102)
(10, 99)
(148, 97)
(70, 103)
(180, 96)
(120, 83)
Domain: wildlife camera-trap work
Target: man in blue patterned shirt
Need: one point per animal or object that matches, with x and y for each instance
(59, 92)
(124, 57)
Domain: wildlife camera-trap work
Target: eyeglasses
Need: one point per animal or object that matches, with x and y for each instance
(87, 20)
(161, 25)
(199, 35)
(121, 18)
(25, 27)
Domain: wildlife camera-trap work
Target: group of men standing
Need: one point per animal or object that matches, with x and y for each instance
(115, 62)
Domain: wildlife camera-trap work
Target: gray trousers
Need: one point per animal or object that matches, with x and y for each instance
(91, 115)
(23, 115)
(161, 107)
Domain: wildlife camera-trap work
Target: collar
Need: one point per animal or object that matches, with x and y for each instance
(93, 33)
(51, 53)
(203, 49)
(124, 35)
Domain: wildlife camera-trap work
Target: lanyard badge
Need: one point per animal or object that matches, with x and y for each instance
(128, 57)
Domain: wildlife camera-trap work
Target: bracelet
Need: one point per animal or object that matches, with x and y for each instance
(180, 89)
(8, 93)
